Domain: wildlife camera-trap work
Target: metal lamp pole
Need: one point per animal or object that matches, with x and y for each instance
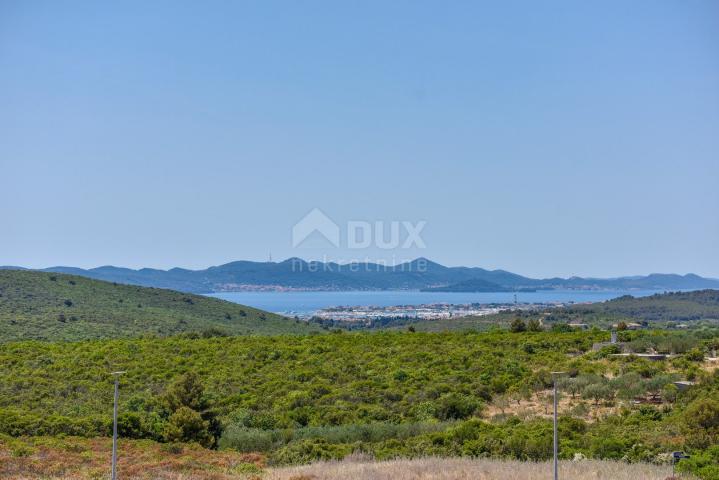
(114, 423)
(556, 436)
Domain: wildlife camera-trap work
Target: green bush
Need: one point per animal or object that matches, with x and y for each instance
(187, 425)
(533, 325)
(455, 406)
(307, 451)
(694, 355)
(245, 439)
(704, 414)
(131, 425)
(704, 464)
(608, 447)
(517, 326)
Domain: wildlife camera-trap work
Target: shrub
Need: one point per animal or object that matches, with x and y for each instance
(186, 425)
(608, 350)
(703, 414)
(597, 392)
(704, 464)
(534, 326)
(607, 447)
(517, 326)
(246, 439)
(130, 425)
(307, 451)
(213, 332)
(424, 411)
(670, 393)
(694, 355)
(185, 391)
(455, 406)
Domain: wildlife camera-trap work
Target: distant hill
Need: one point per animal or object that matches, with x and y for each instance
(52, 306)
(472, 285)
(421, 273)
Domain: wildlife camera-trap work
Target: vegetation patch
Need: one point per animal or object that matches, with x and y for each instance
(71, 458)
(53, 306)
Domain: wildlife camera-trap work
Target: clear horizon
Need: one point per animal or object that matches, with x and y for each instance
(343, 263)
(562, 139)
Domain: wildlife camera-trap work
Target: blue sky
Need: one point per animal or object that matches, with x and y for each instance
(552, 138)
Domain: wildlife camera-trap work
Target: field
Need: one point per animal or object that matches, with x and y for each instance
(53, 306)
(461, 469)
(84, 459)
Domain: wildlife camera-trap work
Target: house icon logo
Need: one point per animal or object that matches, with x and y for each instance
(315, 221)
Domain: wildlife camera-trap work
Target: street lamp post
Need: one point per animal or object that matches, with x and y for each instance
(114, 423)
(556, 436)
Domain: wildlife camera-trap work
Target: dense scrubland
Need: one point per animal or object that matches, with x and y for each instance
(307, 398)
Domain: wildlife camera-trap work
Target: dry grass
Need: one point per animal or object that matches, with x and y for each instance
(468, 469)
(83, 459)
(710, 364)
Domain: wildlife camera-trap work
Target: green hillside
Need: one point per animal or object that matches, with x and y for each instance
(53, 306)
(671, 306)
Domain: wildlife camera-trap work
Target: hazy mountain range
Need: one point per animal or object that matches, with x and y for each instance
(421, 273)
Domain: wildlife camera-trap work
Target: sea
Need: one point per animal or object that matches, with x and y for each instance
(307, 303)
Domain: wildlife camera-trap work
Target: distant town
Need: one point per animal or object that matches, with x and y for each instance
(431, 311)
